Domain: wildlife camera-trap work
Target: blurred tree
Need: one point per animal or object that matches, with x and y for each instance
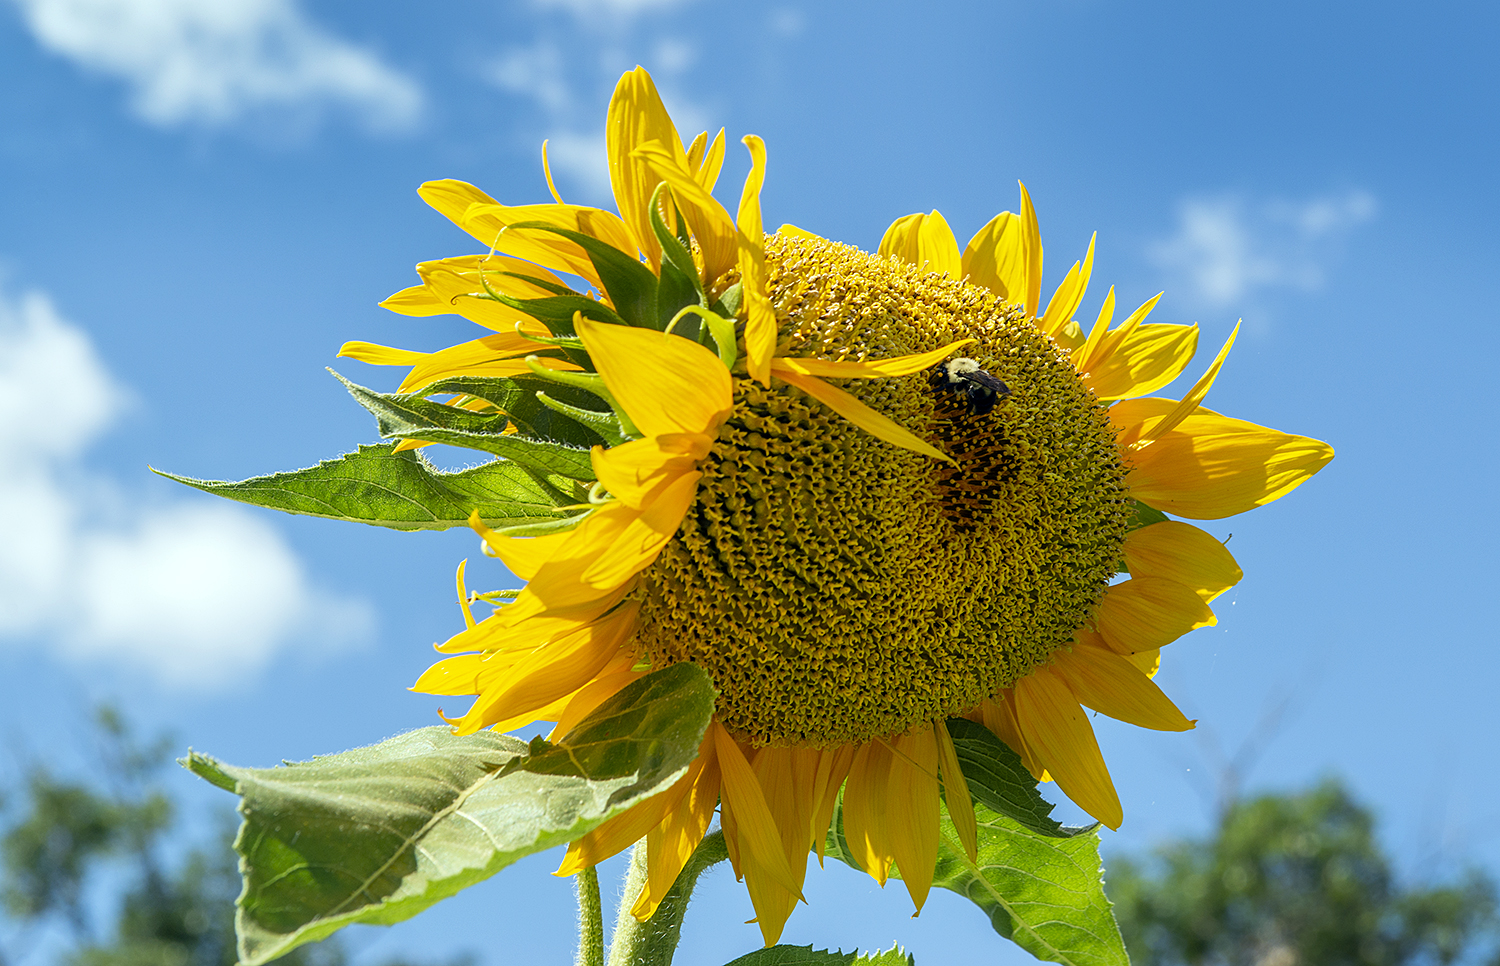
(62, 839)
(1296, 880)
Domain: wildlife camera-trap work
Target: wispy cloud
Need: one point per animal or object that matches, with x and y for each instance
(1227, 249)
(214, 62)
(569, 68)
(194, 592)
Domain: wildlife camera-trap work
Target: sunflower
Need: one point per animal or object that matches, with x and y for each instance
(937, 535)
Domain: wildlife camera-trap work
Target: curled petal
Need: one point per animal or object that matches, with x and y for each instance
(760, 318)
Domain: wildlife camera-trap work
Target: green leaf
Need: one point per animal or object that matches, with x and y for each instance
(998, 779)
(807, 956)
(397, 412)
(540, 455)
(403, 491)
(378, 834)
(630, 285)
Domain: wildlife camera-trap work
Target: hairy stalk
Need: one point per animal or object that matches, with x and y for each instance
(590, 920)
(653, 942)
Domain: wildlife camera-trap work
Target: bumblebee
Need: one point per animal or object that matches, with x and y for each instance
(979, 389)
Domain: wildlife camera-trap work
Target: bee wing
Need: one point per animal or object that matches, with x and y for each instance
(984, 380)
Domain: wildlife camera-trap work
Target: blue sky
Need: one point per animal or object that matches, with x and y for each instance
(202, 202)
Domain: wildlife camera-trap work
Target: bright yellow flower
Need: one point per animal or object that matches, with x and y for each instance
(851, 566)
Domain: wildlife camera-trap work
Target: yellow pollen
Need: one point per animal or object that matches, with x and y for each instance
(838, 588)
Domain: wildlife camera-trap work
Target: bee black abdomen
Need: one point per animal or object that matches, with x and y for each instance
(968, 428)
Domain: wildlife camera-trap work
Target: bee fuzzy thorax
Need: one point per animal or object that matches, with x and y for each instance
(965, 377)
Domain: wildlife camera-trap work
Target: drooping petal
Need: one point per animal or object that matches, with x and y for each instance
(912, 827)
(773, 888)
(671, 843)
(591, 695)
(998, 714)
(1182, 552)
(624, 830)
(832, 770)
(666, 383)
(865, 803)
(466, 673)
(1212, 466)
(956, 792)
(637, 116)
(1147, 612)
(493, 355)
(522, 555)
(1054, 725)
(380, 355)
(1103, 680)
(878, 369)
(760, 314)
(867, 419)
(707, 219)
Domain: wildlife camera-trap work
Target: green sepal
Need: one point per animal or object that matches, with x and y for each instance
(721, 330)
(998, 779)
(730, 301)
(591, 382)
(396, 412)
(1143, 515)
(680, 285)
(410, 417)
(674, 250)
(519, 398)
(808, 956)
(377, 486)
(377, 834)
(607, 425)
(630, 285)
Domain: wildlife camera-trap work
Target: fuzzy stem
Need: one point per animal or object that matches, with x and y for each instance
(653, 942)
(590, 920)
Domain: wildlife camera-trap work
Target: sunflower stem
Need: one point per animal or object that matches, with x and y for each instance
(653, 942)
(590, 919)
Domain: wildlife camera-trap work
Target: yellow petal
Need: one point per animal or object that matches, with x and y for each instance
(902, 241)
(879, 369)
(671, 843)
(1150, 358)
(708, 220)
(553, 671)
(925, 241)
(956, 792)
(380, 355)
(1110, 684)
(1070, 293)
(1031, 241)
(760, 314)
(1146, 612)
(457, 286)
(466, 673)
(666, 383)
(641, 541)
(1096, 334)
(998, 714)
(832, 770)
(707, 172)
(867, 419)
(865, 801)
(1181, 552)
(1212, 466)
(523, 556)
(621, 832)
(792, 231)
(1148, 662)
(636, 116)
(768, 878)
(636, 472)
(488, 221)
(1101, 351)
(911, 819)
(591, 695)
(1186, 406)
(996, 258)
(1054, 724)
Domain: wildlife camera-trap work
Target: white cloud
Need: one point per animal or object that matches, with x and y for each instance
(1227, 249)
(214, 61)
(592, 10)
(196, 593)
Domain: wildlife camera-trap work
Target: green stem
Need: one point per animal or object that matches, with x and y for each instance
(590, 919)
(652, 943)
